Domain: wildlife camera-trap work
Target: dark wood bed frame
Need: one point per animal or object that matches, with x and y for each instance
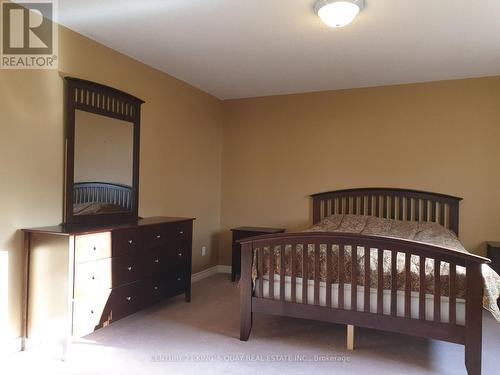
(401, 204)
(103, 192)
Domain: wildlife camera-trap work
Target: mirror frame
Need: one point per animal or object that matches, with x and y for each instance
(105, 101)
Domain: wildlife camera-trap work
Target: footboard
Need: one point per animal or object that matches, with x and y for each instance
(350, 293)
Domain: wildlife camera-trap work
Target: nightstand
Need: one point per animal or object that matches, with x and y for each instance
(245, 232)
(494, 254)
(493, 249)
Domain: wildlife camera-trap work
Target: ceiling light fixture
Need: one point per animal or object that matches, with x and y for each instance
(338, 13)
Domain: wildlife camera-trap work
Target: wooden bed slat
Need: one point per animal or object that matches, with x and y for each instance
(394, 286)
(417, 210)
(341, 275)
(367, 278)
(453, 294)
(421, 296)
(384, 205)
(400, 207)
(354, 282)
(407, 286)
(305, 255)
(437, 290)
(409, 204)
(260, 259)
(282, 272)
(272, 258)
(329, 275)
(441, 214)
(316, 273)
(293, 265)
(380, 282)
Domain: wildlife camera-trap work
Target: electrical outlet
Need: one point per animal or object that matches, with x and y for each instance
(203, 251)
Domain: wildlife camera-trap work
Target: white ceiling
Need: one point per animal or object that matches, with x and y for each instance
(247, 48)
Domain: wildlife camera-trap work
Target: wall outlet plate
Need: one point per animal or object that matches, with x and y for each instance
(203, 251)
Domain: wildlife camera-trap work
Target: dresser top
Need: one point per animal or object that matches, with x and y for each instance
(78, 229)
(258, 229)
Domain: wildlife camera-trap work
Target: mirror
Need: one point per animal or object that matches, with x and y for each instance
(103, 164)
(102, 153)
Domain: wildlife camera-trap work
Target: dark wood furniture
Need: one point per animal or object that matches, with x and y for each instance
(107, 272)
(493, 252)
(105, 101)
(239, 234)
(387, 203)
(100, 192)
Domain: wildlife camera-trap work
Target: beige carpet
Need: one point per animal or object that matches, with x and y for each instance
(202, 338)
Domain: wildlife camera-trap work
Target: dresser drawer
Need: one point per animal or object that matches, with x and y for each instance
(91, 312)
(106, 306)
(126, 269)
(156, 261)
(155, 289)
(91, 247)
(105, 274)
(126, 241)
(176, 283)
(180, 232)
(157, 235)
(93, 277)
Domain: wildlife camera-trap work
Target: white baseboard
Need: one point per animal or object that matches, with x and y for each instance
(209, 272)
(10, 346)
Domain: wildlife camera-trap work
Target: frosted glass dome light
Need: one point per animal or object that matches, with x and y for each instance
(338, 13)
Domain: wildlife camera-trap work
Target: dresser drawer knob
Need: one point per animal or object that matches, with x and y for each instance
(179, 279)
(93, 277)
(91, 311)
(158, 236)
(94, 248)
(129, 268)
(157, 260)
(130, 242)
(181, 232)
(179, 254)
(155, 288)
(129, 299)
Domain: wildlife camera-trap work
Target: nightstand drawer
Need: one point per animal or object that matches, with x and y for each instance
(91, 247)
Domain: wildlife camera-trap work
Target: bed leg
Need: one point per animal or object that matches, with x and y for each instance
(350, 337)
(473, 319)
(246, 292)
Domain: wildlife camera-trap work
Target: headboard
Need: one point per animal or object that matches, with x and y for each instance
(389, 203)
(102, 192)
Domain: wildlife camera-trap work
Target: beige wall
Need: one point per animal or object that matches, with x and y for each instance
(441, 137)
(180, 153)
(104, 149)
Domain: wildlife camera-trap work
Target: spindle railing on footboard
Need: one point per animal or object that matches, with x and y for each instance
(366, 281)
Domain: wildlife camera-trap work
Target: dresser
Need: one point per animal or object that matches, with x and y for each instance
(79, 278)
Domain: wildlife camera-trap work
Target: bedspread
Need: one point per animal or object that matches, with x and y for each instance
(430, 233)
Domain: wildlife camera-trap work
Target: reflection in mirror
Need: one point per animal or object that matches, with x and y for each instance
(103, 165)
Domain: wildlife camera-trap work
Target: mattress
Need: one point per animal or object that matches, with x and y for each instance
(429, 305)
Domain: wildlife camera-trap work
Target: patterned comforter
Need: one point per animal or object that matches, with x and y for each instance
(430, 233)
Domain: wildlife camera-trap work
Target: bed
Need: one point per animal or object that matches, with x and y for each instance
(101, 198)
(442, 300)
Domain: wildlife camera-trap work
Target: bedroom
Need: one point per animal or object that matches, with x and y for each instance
(261, 114)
